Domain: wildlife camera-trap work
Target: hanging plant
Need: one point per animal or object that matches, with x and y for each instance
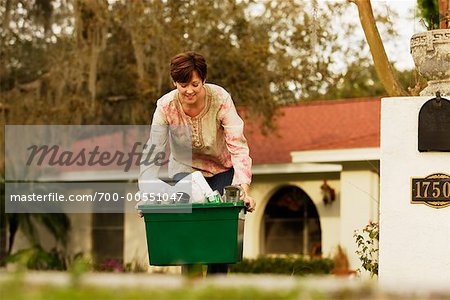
(328, 193)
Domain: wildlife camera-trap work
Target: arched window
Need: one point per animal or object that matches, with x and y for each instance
(291, 223)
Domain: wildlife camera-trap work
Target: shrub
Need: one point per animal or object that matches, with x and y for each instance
(36, 258)
(367, 244)
(283, 265)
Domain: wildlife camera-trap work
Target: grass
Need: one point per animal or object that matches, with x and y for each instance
(18, 292)
(16, 286)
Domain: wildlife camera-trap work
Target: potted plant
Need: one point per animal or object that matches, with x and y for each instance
(431, 49)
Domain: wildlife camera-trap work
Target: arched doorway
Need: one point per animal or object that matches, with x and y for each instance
(291, 224)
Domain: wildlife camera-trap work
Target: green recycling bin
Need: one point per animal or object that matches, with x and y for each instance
(204, 233)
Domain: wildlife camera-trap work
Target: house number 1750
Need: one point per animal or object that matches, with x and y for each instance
(433, 190)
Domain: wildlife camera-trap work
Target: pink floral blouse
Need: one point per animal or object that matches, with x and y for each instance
(217, 134)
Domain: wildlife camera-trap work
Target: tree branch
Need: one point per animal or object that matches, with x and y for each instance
(383, 67)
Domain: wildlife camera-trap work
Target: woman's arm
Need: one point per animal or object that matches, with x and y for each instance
(237, 146)
(148, 171)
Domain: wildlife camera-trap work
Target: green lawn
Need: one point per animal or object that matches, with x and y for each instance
(19, 292)
(14, 286)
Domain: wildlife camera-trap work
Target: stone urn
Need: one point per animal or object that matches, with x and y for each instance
(431, 53)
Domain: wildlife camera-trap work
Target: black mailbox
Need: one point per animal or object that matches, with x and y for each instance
(434, 125)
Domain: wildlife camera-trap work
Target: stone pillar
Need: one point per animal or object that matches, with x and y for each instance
(414, 238)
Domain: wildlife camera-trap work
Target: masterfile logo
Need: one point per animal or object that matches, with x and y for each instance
(92, 168)
(55, 156)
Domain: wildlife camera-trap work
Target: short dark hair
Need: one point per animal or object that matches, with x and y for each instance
(184, 64)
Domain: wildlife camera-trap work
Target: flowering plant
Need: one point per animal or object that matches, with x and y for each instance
(367, 247)
(111, 265)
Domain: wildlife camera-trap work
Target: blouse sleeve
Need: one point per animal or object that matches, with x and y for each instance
(236, 142)
(157, 142)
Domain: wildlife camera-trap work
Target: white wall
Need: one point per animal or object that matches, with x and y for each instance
(359, 205)
(414, 239)
(135, 241)
(80, 240)
(329, 214)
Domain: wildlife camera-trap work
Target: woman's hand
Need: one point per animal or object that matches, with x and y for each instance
(245, 196)
(138, 211)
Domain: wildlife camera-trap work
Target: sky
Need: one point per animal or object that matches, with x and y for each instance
(406, 26)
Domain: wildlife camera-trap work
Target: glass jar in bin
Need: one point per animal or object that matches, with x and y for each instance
(231, 193)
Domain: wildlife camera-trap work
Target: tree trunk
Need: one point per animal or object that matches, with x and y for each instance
(139, 55)
(444, 14)
(93, 61)
(383, 68)
(6, 16)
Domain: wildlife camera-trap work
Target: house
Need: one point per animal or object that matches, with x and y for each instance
(315, 180)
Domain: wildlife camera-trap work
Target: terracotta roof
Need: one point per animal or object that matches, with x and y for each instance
(317, 125)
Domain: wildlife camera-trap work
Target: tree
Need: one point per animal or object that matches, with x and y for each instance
(429, 9)
(26, 75)
(106, 62)
(435, 13)
(116, 54)
(383, 67)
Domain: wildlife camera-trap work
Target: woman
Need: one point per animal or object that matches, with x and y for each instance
(219, 148)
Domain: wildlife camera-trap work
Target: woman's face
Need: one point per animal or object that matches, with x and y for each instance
(191, 91)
